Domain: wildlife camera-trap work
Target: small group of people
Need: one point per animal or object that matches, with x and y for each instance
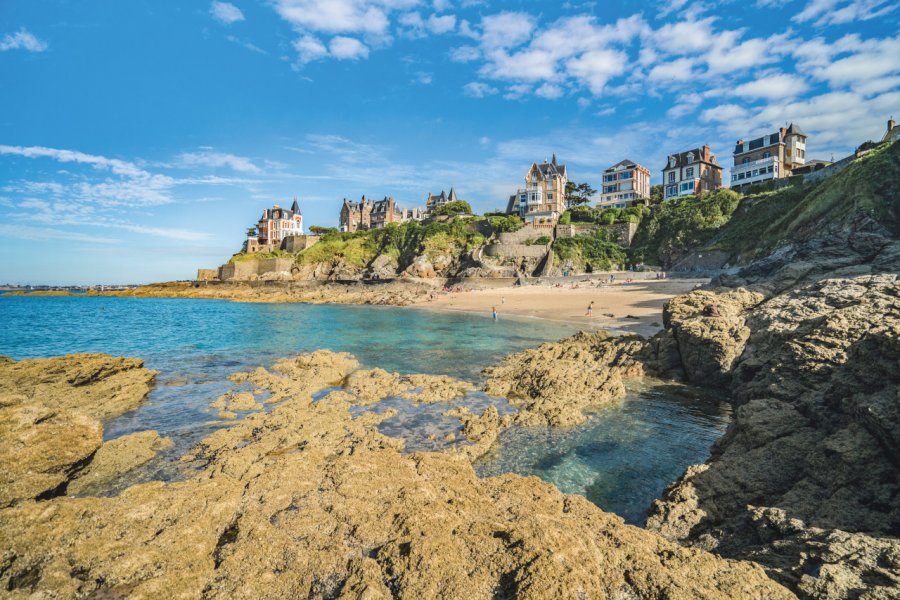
(661, 275)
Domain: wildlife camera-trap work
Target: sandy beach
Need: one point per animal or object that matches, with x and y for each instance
(623, 307)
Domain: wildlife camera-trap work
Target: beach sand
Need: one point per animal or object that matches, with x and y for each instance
(620, 307)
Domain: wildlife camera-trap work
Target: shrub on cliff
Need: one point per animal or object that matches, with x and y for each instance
(504, 223)
(457, 207)
(595, 251)
(677, 226)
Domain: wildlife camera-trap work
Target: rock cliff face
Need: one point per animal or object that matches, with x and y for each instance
(806, 475)
(305, 501)
(805, 480)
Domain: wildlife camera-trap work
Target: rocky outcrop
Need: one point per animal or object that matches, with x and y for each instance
(115, 459)
(554, 383)
(805, 479)
(305, 501)
(398, 293)
(50, 417)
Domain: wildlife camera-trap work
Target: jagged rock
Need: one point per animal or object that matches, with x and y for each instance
(420, 267)
(709, 331)
(435, 388)
(50, 417)
(372, 385)
(383, 267)
(305, 501)
(116, 458)
(554, 383)
(813, 443)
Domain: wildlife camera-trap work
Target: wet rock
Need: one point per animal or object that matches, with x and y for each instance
(554, 383)
(372, 385)
(116, 458)
(435, 388)
(50, 417)
(305, 501)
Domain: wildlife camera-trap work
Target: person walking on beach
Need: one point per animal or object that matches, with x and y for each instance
(590, 310)
(494, 311)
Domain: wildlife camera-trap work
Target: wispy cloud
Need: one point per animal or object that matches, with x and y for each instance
(22, 40)
(26, 232)
(226, 13)
(217, 160)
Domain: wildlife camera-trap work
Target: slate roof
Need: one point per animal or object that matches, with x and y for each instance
(795, 129)
(627, 163)
(681, 159)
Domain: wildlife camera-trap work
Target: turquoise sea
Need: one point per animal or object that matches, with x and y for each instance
(621, 459)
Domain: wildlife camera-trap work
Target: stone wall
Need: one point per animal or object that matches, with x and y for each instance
(621, 233)
(515, 251)
(248, 270)
(296, 243)
(207, 274)
(527, 233)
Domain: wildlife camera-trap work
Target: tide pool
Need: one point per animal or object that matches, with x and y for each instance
(621, 459)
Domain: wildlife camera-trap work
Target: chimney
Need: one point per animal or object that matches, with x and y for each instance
(706, 152)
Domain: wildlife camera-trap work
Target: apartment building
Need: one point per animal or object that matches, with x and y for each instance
(624, 184)
(278, 223)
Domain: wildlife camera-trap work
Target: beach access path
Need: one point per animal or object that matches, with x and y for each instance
(621, 307)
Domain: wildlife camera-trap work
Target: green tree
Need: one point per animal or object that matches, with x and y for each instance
(580, 193)
(457, 207)
(319, 230)
(656, 193)
(251, 231)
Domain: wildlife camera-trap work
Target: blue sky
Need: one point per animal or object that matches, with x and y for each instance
(139, 139)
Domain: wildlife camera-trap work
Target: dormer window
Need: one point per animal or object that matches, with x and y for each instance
(690, 158)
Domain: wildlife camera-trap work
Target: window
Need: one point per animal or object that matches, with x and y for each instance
(689, 172)
(549, 195)
(690, 158)
(769, 169)
(767, 154)
(609, 188)
(672, 190)
(609, 178)
(687, 186)
(746, 161)
(672, 177)
(625, 175)
(734, 176)
(755, 172)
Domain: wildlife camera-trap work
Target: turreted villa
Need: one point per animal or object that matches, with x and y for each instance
(544, 196)
(274, 225)
(435, 200)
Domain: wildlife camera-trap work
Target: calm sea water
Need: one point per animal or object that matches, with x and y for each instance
(621, 459)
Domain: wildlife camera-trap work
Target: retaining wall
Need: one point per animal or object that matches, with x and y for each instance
(515, 250)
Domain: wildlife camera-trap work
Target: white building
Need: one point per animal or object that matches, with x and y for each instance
(624, 183)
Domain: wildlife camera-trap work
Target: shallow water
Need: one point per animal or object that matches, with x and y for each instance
(621, 459)
(625, 455)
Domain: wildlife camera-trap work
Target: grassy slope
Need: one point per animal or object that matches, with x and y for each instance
(762, 222)
(766, 221)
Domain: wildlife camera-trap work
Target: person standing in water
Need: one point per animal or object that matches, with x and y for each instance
(494, 311)
(590, 310)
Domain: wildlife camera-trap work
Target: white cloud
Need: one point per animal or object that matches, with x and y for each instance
(478, 89)
(118, 167)
(597, 67)
(550, 91)
(772, 87)
(22, 40)
(217, 160)
(725, 113)
(506, 29)
(838, 12)
(309, 48)
(424, 78)
(441, 24)
(27, 232)
(347, 48)
(464, 54)
(685, 105)
(680, 69)
(340, 16)
(225, 12)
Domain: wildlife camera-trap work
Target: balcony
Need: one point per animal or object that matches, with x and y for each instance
(756, 164)
(533, 208)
